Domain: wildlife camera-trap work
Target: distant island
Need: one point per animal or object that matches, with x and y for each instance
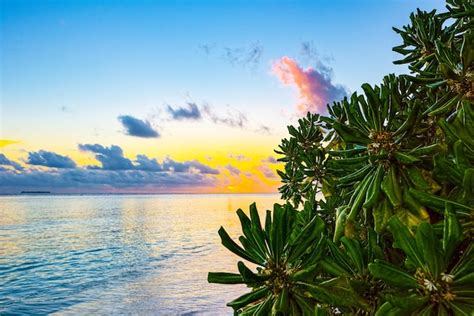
(35, 192)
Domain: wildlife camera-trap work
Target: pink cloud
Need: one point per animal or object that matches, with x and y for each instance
(315, 87)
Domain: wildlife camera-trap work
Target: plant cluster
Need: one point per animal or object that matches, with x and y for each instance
(379, 193)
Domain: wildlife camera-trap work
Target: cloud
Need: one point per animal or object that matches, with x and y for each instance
(4, 161)
(270, 159)
(65, 109)
(50, 160)
(315, 86)
(115, 174)
(248, 56)
(245, 56)
(111, 158)
(190, 112)
(263, 129)
(137, 127)
(187, 166)
(207, 48)
(232, 117)
(89, 180)
(233, 170)
(267, 172)
(146, 164)
(239, 157)
(308, 51)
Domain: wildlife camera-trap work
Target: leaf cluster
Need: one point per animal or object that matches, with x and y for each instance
(379, 193)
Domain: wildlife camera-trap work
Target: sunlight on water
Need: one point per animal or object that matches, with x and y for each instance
(140, 254)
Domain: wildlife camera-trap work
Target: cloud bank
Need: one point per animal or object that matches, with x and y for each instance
(111, 158)
(4, 161)
(115, 173)
(315, 86)
(136, 127)
(50, 160)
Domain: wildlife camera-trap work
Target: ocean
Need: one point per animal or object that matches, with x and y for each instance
(118, 254)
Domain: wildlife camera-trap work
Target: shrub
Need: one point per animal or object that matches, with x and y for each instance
(380, 193)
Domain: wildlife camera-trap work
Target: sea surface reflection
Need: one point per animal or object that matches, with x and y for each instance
(118, 254)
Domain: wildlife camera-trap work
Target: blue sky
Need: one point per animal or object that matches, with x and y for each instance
(69, 69)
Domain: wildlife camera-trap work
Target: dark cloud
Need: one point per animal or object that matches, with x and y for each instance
(263, 129)
(4, 161)
(146, 164)
(89, 180)
(65, 109)
(311, 55)
(190, 112)
(137, 127)
(239, 157)
(187, 166)
(233, 170)
(232, 117)
(207, 48)
(267, 172)
(111, 158)
(50, 159)
(116, 173)
(270, 159)
(248, 56)
(202, 168)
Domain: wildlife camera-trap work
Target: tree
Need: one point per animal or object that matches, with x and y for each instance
(380, 193)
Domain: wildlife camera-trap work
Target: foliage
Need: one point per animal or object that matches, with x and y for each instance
(379, 193)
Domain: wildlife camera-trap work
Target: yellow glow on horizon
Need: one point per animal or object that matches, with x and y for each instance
(6, 142)
(217, 148)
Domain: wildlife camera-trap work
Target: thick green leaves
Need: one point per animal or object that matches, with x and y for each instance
(248, 298)
(392, 275)
(232, 246)
(428, 244)
(404, 240)
(452, 233)
(224, 278)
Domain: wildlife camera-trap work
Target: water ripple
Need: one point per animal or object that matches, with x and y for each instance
(117, 254)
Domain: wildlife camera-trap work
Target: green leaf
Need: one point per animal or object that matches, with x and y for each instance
(248, 276)
(405, 241)
(452, 232)
(408, 303)
(392, 275)
(282, 303)
(233, 247)
(248, 298)
(224, 278)
(429, 245)
(354, 251)
(338, 292)
(264, 308)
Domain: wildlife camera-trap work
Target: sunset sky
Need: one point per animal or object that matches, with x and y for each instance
(154, 96)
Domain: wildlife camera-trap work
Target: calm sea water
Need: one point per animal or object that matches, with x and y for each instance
(118, 254)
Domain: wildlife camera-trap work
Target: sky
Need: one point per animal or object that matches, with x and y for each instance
(176, 97)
